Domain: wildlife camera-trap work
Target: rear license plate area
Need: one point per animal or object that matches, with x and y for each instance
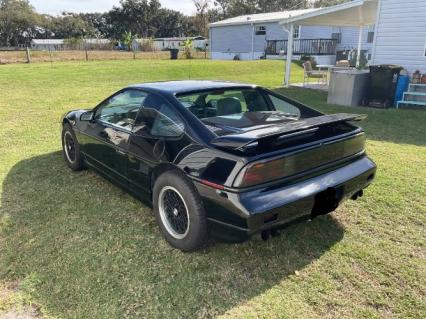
(327, 201)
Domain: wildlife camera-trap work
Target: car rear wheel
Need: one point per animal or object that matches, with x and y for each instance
(71, 149)
(179, 212)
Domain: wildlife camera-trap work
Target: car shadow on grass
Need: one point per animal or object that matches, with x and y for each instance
(92, 250)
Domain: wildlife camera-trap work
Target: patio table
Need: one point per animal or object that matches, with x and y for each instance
(328, 67)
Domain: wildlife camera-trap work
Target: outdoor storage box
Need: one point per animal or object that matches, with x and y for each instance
(347, 87)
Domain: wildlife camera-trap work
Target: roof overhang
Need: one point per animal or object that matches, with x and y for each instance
(351, 14)
(259, 18)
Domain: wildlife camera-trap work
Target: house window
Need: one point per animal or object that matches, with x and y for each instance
(296, 32)
(337, 36)
(260, 30)
(370, 37)
(370, 34)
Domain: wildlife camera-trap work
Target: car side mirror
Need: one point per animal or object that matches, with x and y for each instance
(87, 116)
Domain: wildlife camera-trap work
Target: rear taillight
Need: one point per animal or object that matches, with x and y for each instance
(303, 160)
(262, 172)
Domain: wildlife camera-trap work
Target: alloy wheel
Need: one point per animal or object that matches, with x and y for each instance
(173, 212)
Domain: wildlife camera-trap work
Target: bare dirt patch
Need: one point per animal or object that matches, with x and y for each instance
(13, 304)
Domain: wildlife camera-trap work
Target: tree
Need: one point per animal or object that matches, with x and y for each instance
(98, 21)
(18, 22)
(128, 39)
(70, 25)
(230, 8)
(168, 23)
(201, 18)
(187, 47)
(136, 16)
(327, 3)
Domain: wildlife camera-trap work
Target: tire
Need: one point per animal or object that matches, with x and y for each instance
(175, 201)
(72, 155)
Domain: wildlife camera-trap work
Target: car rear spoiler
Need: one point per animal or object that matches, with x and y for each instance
(290, 129)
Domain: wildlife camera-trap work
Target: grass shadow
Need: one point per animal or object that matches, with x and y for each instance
(90, 249)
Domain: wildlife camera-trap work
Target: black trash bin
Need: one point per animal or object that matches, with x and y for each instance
(174, 54)
(382, 87)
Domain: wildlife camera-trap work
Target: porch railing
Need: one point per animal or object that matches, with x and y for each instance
(302, 47)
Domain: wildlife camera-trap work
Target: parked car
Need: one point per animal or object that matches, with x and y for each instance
(220, 158)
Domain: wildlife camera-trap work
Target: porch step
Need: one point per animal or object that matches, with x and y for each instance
(413, 103)
(414, 96)
(417, 88)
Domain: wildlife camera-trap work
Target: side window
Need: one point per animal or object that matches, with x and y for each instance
(337, 36)
(296, 33)
(121, 109)
(260, 30)
(370, 34)
(158, 119)
(284, 106)
(370, 37)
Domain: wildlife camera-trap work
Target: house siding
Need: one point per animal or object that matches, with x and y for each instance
(228, 41)
(315, 32)
(350, 38)
(401, 34)
(274, 31)
(236, 39)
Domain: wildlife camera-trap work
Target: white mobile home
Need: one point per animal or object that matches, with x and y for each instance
(48, 44)
(401, 34)
(254, 36)
(69, 44)
(177, 43)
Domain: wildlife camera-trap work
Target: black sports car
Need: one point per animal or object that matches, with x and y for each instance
(220, 158)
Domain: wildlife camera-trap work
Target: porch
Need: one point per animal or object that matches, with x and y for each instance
(312, 47)
(356, 13)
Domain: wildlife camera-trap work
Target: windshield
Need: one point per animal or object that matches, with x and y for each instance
(239, 108)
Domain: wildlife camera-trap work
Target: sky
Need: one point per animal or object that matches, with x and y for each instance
(58, 6)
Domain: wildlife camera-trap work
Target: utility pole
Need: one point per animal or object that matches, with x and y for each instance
(50, 49)
(85, 44)
(28, 55)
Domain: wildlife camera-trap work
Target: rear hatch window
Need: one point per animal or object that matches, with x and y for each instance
(235, 110)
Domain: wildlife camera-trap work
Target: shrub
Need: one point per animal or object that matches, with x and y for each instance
(363, 61)
(187, 49)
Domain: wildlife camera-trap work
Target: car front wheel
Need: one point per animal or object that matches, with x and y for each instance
(71, 149)
(179, 212)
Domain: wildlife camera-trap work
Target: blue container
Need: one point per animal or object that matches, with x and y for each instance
(401, 87)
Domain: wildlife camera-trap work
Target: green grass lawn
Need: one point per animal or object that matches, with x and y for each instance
(75, 246)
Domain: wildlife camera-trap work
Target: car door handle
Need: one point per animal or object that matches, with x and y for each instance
(120, 152)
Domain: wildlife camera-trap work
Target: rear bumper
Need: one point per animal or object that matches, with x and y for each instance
(237, 216)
